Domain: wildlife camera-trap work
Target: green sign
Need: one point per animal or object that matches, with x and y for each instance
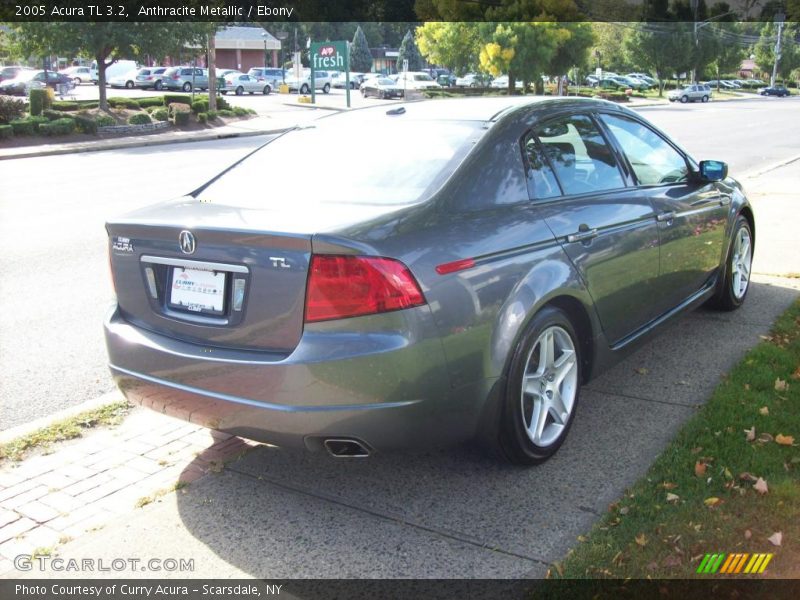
(330, 56)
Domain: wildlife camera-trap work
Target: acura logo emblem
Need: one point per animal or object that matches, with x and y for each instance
(186, 242)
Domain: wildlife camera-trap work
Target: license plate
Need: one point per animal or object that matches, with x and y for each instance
(198, 290)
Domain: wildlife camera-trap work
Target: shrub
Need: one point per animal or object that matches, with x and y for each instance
(212, 115)
(222, 104)
(160, 114)
(239, 111)
(11, 109)
(70, 105)
(202, 117)
(51, 115)
(179, 113)
(200, 105)
(23, 127)
(174, 99)
(105, 121)
(128, 103)
(151, 101)
(6, 131)
(225, 113)
(63, 126)
(140, 119)
(38, 99)
(86, 124)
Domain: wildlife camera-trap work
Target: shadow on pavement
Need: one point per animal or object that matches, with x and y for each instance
(457, 512)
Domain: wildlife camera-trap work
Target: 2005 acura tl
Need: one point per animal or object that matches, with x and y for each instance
(461, 279)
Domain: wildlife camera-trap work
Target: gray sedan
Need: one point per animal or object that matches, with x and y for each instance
(467, 286)
(239, 83)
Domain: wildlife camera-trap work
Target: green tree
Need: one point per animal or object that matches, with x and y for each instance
(360, 57)
(455, 45)
(790, 52)
(410, 52)
(109, 42)
(609, 47)
(662, 48)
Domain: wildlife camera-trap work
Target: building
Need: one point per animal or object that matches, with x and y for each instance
(245, 47)
(384, 59)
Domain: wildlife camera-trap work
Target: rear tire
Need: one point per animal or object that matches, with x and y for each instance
(158, 86)
(304, 89)
(239, 91)
(187, 87)
(732, 288)
(684, 99)
(129, 85)
(705, 98)
(267, 90)
(542, 390)
(326, 88)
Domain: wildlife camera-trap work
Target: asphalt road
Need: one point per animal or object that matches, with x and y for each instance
(55, 286)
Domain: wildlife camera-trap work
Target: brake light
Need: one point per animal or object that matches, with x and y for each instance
(176, 76)
(349, 286)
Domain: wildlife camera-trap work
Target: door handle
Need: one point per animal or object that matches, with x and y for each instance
(582, 235)
(666, 216)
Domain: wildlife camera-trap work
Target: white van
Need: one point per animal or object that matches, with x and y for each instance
(118, 68)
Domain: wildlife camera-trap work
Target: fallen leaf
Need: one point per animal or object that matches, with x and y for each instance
(796, 374)
(764, 411)
(747, 476)
(671, 561)
(781, 385)
(761, 486)
(746, 387)
(672, 497)
(712, 502)
(699, 469)
(784, 440)
(641, 371)
(652, 566)
(618, 559)
(683, 382)
(624, 510)
(750, 434)
(641, 539)
(748, 534)
(776, 538)
(765, 438)
(727, 473)
(668, 485)
(582, 538)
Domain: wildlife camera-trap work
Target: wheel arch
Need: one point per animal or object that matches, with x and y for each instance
(747, 213)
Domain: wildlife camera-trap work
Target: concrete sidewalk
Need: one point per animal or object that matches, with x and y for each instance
(255, 510)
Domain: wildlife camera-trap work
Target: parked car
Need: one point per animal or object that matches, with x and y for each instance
(115, 69)
(381, 87)
(125, 80)
(644, 77)
(414, 302)
(777, 90)
(150, 77)
(691, 93)
(473, 80)
(415, 80)
(185, 78)
(501, 82)
(239, 83)
(25, 81)
(322, 81)
(268, 76)
(79, 75)
(339, 80)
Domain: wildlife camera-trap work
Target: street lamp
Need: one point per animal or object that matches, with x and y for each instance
(598, 55)
(264, 35)
(283, 35)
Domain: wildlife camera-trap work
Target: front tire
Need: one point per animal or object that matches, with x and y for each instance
(187, 87)
(542, 390)
(158, 86)
(326, 88)
(684, 99)
(705, 98)
(239, 91)
(129, 85)
(733, 287)
(267, 90)
(305, 89)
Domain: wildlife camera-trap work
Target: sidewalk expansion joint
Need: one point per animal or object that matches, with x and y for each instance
(603, 392)
(453, 535)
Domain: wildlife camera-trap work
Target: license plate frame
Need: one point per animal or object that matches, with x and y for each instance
(198, 291)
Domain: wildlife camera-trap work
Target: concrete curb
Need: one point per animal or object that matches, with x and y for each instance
(772, 167)
(316, 106)
(121, 144)
(21, 430)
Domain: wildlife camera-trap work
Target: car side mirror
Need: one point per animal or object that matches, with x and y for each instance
(713, 170)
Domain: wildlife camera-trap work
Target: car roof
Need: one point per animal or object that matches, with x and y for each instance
(469, 109)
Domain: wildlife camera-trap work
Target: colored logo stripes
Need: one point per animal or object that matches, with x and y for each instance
(732, 564)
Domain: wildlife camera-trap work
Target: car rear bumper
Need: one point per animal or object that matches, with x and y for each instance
(385, 389)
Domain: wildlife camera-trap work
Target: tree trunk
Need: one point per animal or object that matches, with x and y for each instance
(101, 82)
(212, 72)
(511, 83)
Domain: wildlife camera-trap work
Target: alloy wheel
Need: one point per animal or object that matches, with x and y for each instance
(741, 263)
(549, 386)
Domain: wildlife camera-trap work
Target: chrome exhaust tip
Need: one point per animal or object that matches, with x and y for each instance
(346, 448)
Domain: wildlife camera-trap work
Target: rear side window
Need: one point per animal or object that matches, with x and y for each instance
(653, 160)
(582, 160)
(541, 180)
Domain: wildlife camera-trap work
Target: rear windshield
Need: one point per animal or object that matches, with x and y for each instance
(401, 161)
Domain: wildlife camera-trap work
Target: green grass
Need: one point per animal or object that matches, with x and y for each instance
(645, 534)
(66, 429)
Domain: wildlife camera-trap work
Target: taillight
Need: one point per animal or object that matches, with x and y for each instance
(349, 286)
(176, 76)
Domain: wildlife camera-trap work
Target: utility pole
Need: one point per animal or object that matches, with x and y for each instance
(696, 42)
(212, 70)
(779, 20)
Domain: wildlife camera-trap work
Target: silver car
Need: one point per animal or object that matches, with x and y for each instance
(185, 78)
(691, 93)
(509, 250)
(239, 83)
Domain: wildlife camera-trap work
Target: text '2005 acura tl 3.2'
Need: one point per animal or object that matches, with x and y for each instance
(463, 283)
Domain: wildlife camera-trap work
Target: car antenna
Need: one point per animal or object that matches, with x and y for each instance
(396, 111)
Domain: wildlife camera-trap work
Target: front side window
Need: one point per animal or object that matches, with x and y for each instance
(653, 160)
(582, 160)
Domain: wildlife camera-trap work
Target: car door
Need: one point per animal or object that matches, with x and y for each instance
(607, 229)
(691, 214)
